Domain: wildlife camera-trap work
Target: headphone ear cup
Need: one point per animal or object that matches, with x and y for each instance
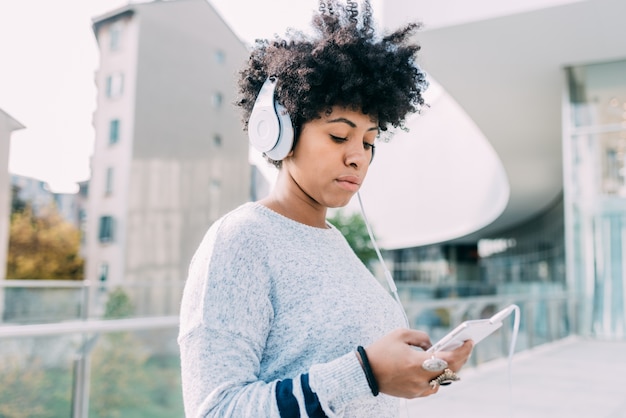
(269, 128)
(285, 137)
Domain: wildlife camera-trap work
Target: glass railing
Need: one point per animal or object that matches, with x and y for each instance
(72, 366)
(50, 301)
(92, 368)
(543, 319)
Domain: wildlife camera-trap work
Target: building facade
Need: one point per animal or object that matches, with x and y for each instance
(170, 155)
(7, 125)
(594, 144)
(543, 82)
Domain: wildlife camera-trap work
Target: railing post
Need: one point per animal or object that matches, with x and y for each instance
(79, 375)
(82, 365)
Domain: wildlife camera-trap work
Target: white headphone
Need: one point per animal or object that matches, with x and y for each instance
(269, 128)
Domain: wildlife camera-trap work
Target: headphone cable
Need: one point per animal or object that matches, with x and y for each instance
(390, 282)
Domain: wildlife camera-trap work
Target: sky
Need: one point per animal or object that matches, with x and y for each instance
(48, 59)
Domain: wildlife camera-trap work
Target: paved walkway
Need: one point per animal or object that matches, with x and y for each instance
(574, 378)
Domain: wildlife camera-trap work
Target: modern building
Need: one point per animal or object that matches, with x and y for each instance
(170, 156)
(38, 195)
(513, 179)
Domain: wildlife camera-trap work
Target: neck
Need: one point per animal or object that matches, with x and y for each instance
(289, 200)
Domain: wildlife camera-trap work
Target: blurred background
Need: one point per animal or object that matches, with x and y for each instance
(121, 145)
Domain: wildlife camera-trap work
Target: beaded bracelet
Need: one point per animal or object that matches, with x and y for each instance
(367, 369)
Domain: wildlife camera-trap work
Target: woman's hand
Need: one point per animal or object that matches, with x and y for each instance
(397, 365)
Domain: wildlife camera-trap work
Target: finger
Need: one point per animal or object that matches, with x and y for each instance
(418, 339)
(469, 344)
(457, 357)
(465, 349)
(431, 390)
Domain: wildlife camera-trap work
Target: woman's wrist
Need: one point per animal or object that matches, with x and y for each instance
(367, 369)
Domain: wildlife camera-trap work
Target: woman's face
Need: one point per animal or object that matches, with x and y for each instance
(332, 156)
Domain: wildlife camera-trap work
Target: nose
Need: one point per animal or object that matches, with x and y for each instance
(356, 154)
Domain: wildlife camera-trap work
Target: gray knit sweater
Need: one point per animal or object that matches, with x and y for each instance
(271, 315)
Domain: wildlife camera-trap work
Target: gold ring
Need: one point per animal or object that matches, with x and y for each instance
(445, 378)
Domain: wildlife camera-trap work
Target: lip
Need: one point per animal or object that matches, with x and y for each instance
(350, 183)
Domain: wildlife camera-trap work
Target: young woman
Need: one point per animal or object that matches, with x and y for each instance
(279, 317)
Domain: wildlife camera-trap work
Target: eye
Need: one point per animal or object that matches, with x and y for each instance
(338, 139)
(367, 146)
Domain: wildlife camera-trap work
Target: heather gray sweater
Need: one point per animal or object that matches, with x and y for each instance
(271, 315)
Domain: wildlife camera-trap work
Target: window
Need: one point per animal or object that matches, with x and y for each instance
(106, 229)
(108, 186)
(115, 36)
(82, 219)
(215, 186)
(217, 99)
(114, 85)
(219, 56)
(104, 272)
(114, 131)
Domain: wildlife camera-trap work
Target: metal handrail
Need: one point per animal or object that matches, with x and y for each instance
(88, 326)
(51, 284)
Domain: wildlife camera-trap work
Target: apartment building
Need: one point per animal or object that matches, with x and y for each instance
(170, 156)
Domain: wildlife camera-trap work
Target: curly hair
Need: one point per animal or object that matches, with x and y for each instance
(341, 63)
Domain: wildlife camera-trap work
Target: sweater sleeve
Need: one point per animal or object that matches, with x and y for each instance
(226, 316)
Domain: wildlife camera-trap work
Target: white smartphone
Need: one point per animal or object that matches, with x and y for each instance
(475, 330)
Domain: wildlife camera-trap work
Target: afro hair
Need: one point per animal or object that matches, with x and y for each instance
(341, 63)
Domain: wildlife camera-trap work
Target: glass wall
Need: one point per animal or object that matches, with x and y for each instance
(525, 259)
(594, 146)
(528, 258)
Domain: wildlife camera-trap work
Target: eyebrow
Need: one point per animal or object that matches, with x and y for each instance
(350, 123)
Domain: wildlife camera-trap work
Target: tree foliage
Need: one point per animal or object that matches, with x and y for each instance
(118, 305)
(43, 247)
(353, 228)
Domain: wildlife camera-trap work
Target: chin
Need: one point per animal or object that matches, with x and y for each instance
(336, 200)
(341, 204)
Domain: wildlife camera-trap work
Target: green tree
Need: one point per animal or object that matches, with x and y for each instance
(118, 305)
(43, 247)
(353, 228)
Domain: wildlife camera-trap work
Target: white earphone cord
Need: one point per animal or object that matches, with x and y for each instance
(394, 290)
(390, 282)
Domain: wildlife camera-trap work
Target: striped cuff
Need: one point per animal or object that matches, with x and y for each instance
(295, 401)
(339, 382)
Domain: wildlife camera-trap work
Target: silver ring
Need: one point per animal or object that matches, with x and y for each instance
(434, 364)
